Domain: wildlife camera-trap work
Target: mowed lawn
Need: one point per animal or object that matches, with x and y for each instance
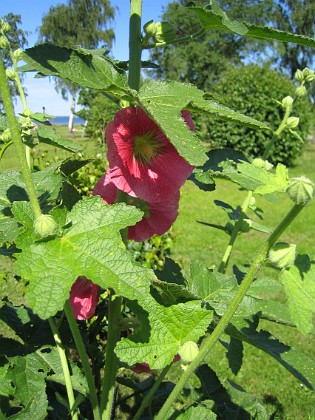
(260, 374)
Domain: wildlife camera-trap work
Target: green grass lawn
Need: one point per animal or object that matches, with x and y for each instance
(260, 374)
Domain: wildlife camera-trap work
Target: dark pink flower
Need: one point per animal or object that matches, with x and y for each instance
(157, 219)
(142, 161)
(83, 298)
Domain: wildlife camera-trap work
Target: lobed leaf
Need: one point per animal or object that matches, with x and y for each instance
(87, 68)
(215, 18)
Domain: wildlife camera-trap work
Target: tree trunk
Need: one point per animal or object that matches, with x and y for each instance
(71, 116)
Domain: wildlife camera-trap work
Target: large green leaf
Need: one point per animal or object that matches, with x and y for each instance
(300, 290)
(215, 18)
(91, 247)
(87, 68)
(199, 412)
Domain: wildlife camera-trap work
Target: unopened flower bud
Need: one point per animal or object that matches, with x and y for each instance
(11, 74)
(4, 42)
(264, 164)
(45, 225)
(282, 255)
(6, 135)
(287, 102)
(299, 76)
(246, 225)
(293, 122)
(308, 74)
(188, 351)
(27, 112)
(165, 32)
(5, 27)
(301, 190)
(301, 91)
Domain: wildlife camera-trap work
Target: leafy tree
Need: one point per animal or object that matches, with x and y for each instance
(202, 59)
(296, 16)
(79, 23)
(17, 39)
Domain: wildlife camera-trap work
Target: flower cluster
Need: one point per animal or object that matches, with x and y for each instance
(146, 167)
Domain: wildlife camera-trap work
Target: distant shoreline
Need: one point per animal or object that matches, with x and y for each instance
(64, 119)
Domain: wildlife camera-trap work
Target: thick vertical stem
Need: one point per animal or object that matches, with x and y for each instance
(16, 137)
(84, 359)
(111, 360)
(209, 342)
(65, 367)
(135, 47)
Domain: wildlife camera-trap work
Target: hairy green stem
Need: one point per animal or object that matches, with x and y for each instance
(151, 393)
(135, 47)
(111, 360)
(209, 342)
(84, 359)
(277, 133)
(235, 231)
(65, 367)
(16, 137)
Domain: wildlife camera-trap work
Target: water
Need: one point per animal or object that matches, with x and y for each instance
(63, 120)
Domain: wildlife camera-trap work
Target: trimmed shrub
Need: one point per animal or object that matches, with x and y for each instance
(253, 90)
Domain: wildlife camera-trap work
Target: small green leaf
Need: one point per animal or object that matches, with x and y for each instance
(199, 412)
(47, 135)
(248, 402)
(301, 366)
(224, 113)
(163, 330)
(40, 117)
(164, 102)
(300, 290)
(216, 18)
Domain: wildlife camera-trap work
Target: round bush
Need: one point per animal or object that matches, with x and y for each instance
(253, 91)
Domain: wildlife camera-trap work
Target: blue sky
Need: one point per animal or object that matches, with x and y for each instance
(41, 92)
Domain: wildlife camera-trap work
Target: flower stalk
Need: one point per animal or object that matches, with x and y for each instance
(84, 359)
(65, 367)
(16, 138)
(210, 341)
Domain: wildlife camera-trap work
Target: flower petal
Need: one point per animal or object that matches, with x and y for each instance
(83, 298)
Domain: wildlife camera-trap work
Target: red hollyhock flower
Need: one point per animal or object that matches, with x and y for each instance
(157, 219)
(83, 298)
(142, 161)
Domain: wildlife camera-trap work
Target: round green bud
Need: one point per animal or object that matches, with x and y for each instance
(45, 225)
(293, 122)
(188, 351)
(300, 190)
(165, 32)
(6, 135)
(299, 76)
(246, 225)
(5, 27)
(264, 164)
(17, 54)
(282, 255)
(301, 91)
(308, 74)
(287, 102)
(27, 112)
(149, 28)
(11, 74)
(4, 42)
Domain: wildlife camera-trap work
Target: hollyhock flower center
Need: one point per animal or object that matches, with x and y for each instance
(146, 147)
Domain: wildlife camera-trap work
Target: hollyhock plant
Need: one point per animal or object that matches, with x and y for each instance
(158, 217)
(83, 298)
(142, 161)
